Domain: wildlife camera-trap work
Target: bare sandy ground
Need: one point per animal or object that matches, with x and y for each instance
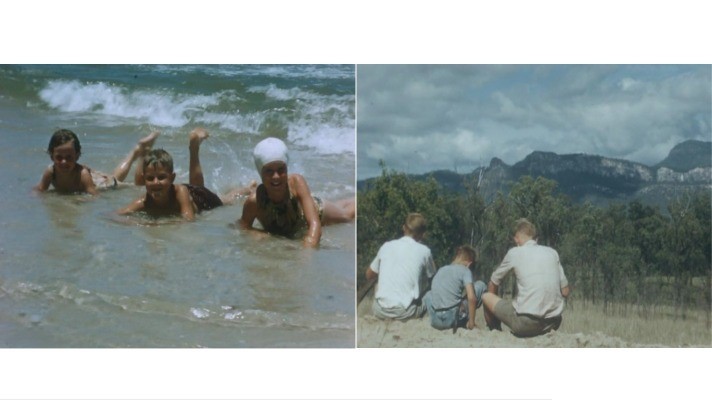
(417, 333)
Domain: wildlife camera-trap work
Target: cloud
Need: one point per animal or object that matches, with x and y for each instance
(423, 118)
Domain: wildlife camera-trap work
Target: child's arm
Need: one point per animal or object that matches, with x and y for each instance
(45, 181)
(471, 305)
(136, 205)
(249, 213)
(88, 182)
(311, 214)
(185, 202)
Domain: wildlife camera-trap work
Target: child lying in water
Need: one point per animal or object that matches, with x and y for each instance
(283, 203)
(68, 176)
(163, 197)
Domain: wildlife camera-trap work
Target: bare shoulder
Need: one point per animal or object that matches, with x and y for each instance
(182, 193)
(47, 173)
(181, 189)
(86, 178)
(86, 173)
(298, 184)
(297, 179)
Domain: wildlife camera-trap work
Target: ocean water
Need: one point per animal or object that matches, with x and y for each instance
(72, 274)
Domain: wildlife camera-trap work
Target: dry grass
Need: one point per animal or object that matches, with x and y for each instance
(660, 327)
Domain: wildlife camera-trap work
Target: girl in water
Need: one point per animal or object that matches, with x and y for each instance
(66, 175)
(283, 203)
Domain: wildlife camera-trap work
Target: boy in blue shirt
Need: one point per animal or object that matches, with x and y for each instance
(447, 306)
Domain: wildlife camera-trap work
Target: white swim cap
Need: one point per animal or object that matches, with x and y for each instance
(268, 150)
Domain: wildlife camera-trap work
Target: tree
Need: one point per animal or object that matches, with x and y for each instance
(382, 210)
(686, 245)
(538, 201)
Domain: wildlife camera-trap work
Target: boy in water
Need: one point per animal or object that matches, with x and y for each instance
(163, 197)
(445, 302)
(68, 176)
(283, 203)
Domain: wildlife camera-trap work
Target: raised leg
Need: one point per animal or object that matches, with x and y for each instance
(234, 194)
(197, 136)
(340, 211)
(143, 145)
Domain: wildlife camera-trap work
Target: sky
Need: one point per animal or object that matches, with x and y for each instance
(422, 118)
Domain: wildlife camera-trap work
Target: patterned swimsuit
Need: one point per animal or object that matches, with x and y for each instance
(285, 219)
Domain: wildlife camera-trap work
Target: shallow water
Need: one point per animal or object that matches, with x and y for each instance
(72, 274)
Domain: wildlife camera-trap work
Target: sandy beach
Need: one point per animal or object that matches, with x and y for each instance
(417, 333)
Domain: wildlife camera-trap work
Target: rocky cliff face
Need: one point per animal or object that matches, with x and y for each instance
(601, 180)
(688, 155)
(597, 179)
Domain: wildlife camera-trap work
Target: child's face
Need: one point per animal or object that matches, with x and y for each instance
(274, 175)
(65, 157)
(158, 181)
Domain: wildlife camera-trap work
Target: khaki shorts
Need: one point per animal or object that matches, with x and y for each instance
(416, 310)
(523, 325)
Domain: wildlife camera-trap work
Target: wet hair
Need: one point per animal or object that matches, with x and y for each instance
(466, 252)
(526, 227)
(62, 136)
(415, 224)
(158, 156)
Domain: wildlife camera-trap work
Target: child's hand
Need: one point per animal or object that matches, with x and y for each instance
(311, 242)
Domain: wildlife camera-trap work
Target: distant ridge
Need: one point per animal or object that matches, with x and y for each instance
(688, 155)
(596, 179)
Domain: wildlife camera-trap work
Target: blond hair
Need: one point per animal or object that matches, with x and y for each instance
(415, 224)
(466, 253)
(525, 226)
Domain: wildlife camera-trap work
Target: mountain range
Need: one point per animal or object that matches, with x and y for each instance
(596, 179)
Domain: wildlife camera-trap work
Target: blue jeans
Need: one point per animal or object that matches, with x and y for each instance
(452, 317)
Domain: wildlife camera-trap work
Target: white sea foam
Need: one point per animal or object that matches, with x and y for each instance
(282, 71)
(161, 108)
(324, 139)
(296, 93)
(322, 122)
(235, 122)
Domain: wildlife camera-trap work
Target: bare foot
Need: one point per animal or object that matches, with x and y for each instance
(148, 140)
(146, 143)
(197, 135)
(247, 190)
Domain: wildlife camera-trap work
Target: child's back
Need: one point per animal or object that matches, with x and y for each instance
(448, 286)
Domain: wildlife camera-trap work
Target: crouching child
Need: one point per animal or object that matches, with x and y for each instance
(447, 306)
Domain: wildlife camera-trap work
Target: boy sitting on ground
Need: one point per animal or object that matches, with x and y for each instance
(445, 302)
